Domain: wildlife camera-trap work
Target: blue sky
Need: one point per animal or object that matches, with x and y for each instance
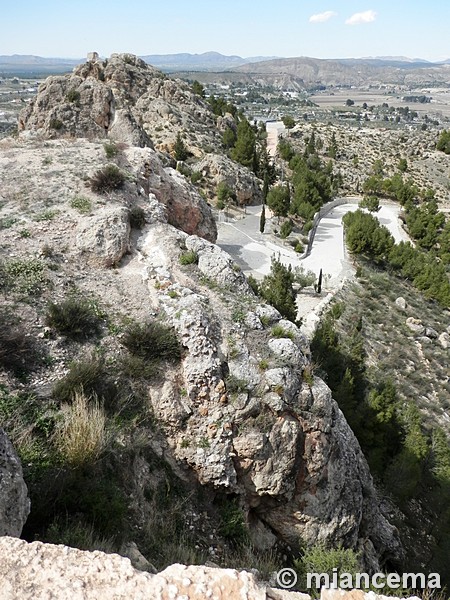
(318, 28)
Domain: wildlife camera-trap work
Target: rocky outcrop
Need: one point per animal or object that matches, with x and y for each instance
(37, 570)
(14, 502)
(122, 98)
(242, 181)
(104, 237)
(252, 421)
(184, 208)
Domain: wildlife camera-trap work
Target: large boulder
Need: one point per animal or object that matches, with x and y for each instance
(104, 238)
(242, 181)
(14, 501)
(185, 209)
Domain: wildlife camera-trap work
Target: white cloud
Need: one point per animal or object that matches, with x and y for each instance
(322, 17)
(362, 17)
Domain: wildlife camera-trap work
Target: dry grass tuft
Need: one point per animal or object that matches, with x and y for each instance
(82, 435)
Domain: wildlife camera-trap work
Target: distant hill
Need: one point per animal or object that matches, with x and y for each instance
(310, 72)
(208, 61)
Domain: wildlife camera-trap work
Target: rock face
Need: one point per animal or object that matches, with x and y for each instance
(271, 436)
(183, 206)
(104, 238)
(122, 98)
(33, 571)
(14, 502)
(221, 169)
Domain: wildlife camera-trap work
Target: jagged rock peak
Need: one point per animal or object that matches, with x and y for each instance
(122, 98)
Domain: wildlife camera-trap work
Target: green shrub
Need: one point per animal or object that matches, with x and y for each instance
(78, 534)
(286, 229)
(277, 289)
(224, 192)
(232, 523)
(235, 385)
(88, 377)
(319, 559)
(22, 276)
(190, 257)
(137, 217)
(19, 352)
(136, 367)
(108, 179)
(7, 222)
(196, 176)
(253, 283)
(279, 332)
(111, 150)
(56, 124)
(73, 96)
(74, 317)
(46, 215)
(81, 204)
(152, 340)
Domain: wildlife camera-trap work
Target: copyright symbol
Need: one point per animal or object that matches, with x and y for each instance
(286, 578)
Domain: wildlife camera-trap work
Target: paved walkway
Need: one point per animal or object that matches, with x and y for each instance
(253, 252)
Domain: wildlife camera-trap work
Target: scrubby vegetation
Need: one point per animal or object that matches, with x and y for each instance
(108, 179)
(380, 381)
(75, 317)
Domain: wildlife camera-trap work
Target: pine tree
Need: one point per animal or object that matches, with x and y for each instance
(180, 149)
(277, 288)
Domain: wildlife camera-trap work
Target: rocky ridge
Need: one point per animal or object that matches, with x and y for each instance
(125, 100)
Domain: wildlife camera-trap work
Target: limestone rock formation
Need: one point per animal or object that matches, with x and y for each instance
(104, 238)
(272, 437)
(122, 98)
(14, 502)
(37, 570)
(184, 208)
(241, 180)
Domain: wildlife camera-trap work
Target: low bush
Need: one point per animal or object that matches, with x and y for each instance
(286, 229)
(78, 534)
(25, 277)
(73, 96)
(137, 217)
(108, 179)
(152, 340)
(74, 317)
(111, 150)
(88, 377)
(19, 352)
(279, 332)
(81, 204)
(190, 257)
(136, 367)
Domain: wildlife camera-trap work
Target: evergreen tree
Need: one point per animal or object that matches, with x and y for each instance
(277, 288)
(180, 149)
(278, 200)
(262, 220)
(319, 283)
(244, 149)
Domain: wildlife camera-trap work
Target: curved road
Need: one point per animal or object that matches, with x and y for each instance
(253, 251)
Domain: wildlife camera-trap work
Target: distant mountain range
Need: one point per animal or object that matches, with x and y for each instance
(208, 61)
(303, 71)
